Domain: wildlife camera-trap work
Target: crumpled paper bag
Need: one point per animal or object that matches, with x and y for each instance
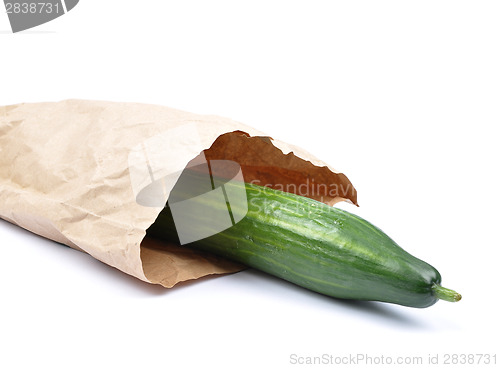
(74, 171)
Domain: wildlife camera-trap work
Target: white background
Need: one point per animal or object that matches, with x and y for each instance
(403, 97)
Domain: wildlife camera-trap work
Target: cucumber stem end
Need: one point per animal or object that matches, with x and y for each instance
(446, 294)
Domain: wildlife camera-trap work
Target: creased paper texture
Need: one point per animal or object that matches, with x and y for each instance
(73, 171)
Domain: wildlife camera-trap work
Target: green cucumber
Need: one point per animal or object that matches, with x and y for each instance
(316, 246)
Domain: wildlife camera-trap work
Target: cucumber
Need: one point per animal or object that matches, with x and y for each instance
(316, 246)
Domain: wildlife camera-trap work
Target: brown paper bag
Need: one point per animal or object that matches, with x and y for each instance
(74, 171)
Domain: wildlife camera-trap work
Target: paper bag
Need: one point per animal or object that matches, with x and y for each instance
(82, 173)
